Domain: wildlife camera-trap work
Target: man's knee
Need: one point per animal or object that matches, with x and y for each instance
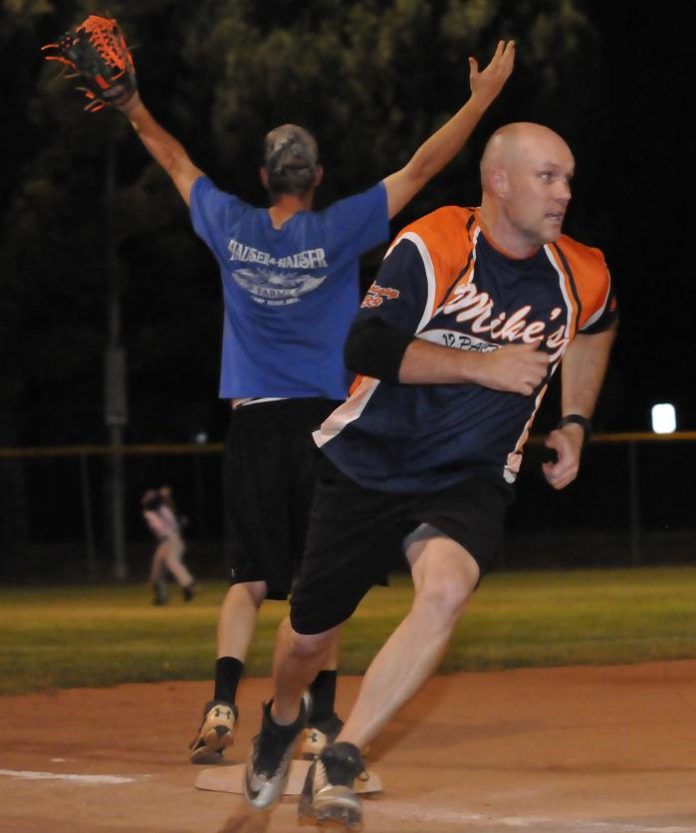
(253, 591)
(446, 600)
(305, 646)
(445, 581)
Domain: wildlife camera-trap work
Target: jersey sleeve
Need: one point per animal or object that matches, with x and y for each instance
(213, 211)
(357, 224)
(399, 294)
(592, 286)
(606, 314)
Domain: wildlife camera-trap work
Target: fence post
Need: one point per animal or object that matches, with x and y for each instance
(87, 514)
(634, 503)
(200, 497)
(115, 393)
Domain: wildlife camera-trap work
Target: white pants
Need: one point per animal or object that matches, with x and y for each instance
(169, 556)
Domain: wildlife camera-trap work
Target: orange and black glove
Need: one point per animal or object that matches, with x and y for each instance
(97, 52)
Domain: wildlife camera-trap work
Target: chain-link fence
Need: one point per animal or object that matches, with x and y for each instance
(632, 504)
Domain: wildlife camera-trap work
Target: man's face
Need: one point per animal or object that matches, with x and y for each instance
(537, 190)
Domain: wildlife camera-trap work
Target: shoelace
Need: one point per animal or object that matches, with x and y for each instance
(105, 41)
(321, 778)
(65, 41)
(341, 769)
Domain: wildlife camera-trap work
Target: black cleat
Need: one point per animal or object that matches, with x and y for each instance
(328, 793)
(269, 762)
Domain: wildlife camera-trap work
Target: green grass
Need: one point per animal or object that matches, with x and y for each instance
(96, 636)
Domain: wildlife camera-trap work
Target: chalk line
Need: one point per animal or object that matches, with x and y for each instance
(71, 776)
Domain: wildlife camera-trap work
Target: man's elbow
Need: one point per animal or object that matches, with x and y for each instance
(357, 350)
(375, 349)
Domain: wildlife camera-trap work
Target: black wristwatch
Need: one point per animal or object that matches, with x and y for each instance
(578, 419)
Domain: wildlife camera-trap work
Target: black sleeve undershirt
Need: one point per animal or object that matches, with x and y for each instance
(375, 349)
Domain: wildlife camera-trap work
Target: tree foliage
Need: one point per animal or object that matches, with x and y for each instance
(371, 79)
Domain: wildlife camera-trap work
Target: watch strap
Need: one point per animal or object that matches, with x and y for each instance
(577, 419)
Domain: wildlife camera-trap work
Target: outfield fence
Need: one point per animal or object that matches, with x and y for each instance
(633, 504)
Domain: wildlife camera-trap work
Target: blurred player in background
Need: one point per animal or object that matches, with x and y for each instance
(160, 515)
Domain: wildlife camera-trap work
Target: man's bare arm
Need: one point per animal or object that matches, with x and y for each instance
(517, 368)
(582, 373)
(164, 148)
(432, 156)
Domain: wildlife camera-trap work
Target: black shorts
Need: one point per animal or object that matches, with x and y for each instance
(268, 470)
(356, 533)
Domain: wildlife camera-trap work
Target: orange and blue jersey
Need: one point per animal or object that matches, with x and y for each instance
(444, 281)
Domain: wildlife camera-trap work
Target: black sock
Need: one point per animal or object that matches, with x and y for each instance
(284, 731)
(228, 672)
(323, 691)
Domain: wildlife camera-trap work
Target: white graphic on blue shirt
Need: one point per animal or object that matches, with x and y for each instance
(273, 287)
(308, 259)
(270, 282)
(290, 293)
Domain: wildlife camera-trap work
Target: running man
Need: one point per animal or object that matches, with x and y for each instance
(470, 314)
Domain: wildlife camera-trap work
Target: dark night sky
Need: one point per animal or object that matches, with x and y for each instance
(648, 188)
(645, 189)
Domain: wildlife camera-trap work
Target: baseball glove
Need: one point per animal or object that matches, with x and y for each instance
(97, 52)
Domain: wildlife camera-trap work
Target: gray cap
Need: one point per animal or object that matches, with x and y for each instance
(290, 147)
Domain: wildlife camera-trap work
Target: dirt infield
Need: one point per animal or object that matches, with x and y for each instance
(568, 750)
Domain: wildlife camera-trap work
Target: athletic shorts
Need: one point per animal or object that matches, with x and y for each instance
(268, 470)
(356, 533)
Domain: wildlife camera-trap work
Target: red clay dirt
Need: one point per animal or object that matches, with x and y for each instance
(566, 750)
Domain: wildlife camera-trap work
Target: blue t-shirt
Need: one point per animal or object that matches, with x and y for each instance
(291, 293)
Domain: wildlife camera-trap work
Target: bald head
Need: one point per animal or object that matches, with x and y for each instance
(526, 170)
(519, 143)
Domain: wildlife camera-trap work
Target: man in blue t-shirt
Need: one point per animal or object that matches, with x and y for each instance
(290, 285)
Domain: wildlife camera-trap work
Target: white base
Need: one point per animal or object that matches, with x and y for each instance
(230, 779)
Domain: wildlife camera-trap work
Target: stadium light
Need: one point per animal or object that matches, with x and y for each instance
(664, 418)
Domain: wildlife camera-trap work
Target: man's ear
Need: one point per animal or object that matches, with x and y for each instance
(318, 175)
(263, 173)
(498, 182)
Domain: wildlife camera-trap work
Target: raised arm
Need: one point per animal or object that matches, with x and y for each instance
(582, 373)
(96, 51)
(164, 148)
(443, 145)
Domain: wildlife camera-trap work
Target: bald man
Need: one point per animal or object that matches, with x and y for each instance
(471, 313)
